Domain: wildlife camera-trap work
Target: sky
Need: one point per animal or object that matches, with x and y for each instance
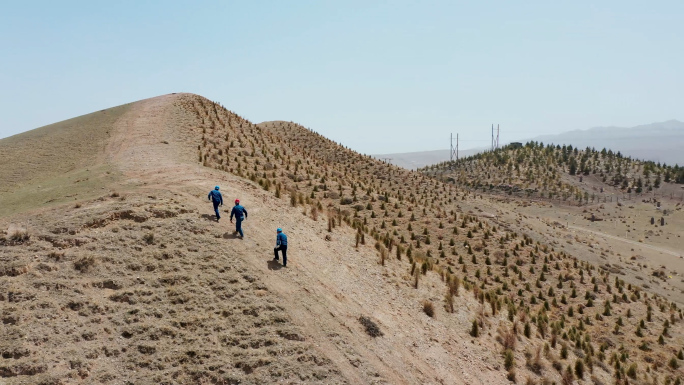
(377, 76)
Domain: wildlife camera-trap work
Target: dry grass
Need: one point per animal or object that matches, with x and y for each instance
(507, 338)
(534, 361)
(116, 306)
(84, 264)
(17, 237)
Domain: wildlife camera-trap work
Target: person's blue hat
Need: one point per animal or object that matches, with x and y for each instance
(280, 230)
(216, 188)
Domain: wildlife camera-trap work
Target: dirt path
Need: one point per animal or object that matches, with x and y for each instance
(640, 244)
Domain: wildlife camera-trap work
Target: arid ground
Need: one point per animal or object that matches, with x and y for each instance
(114, 271)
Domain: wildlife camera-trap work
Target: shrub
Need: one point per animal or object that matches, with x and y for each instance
(429, 308)
(511, 376)
(632, 371)
(84, 264)
(579, 369)
(568, 376)
(449, 299)
(509, 359)
(149, 238)
(372, 329)
(475, 330)
(673, 363)
(454, 285)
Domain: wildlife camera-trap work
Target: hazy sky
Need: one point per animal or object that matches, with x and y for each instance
(378, 76)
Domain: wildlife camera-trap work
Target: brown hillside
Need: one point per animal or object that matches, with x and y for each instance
(132, 281)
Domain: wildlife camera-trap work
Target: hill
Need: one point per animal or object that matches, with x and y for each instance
(394, 276)
(561, 173)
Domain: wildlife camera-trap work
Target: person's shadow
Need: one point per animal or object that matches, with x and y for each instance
(230, 235)
(209, 217)
(274, 265)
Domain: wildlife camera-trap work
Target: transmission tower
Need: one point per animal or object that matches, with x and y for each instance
(492, 145)
(497, 136)
(495, 139)
(453, 153)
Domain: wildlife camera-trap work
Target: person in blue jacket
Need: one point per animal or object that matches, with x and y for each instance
(281, 244)
(240, 214)
(216, 198)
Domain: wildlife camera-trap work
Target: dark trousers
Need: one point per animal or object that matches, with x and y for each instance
(238, 227)
(216, 210)
(282, 248)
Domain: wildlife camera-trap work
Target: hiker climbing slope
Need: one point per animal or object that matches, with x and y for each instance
(281, 244)
(240, 214)
(216, 198)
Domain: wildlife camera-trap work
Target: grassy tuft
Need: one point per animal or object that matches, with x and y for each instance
(84, 264)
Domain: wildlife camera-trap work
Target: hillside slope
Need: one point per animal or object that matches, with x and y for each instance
(57, 162)
(133, 281)
(561, 173)
(140, 285)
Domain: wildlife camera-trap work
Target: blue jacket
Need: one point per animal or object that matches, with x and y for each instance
(281, 239)
(215, 196)
(239, 212)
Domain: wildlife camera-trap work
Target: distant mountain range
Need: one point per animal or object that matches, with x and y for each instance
(414, 160)
(660, 142)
